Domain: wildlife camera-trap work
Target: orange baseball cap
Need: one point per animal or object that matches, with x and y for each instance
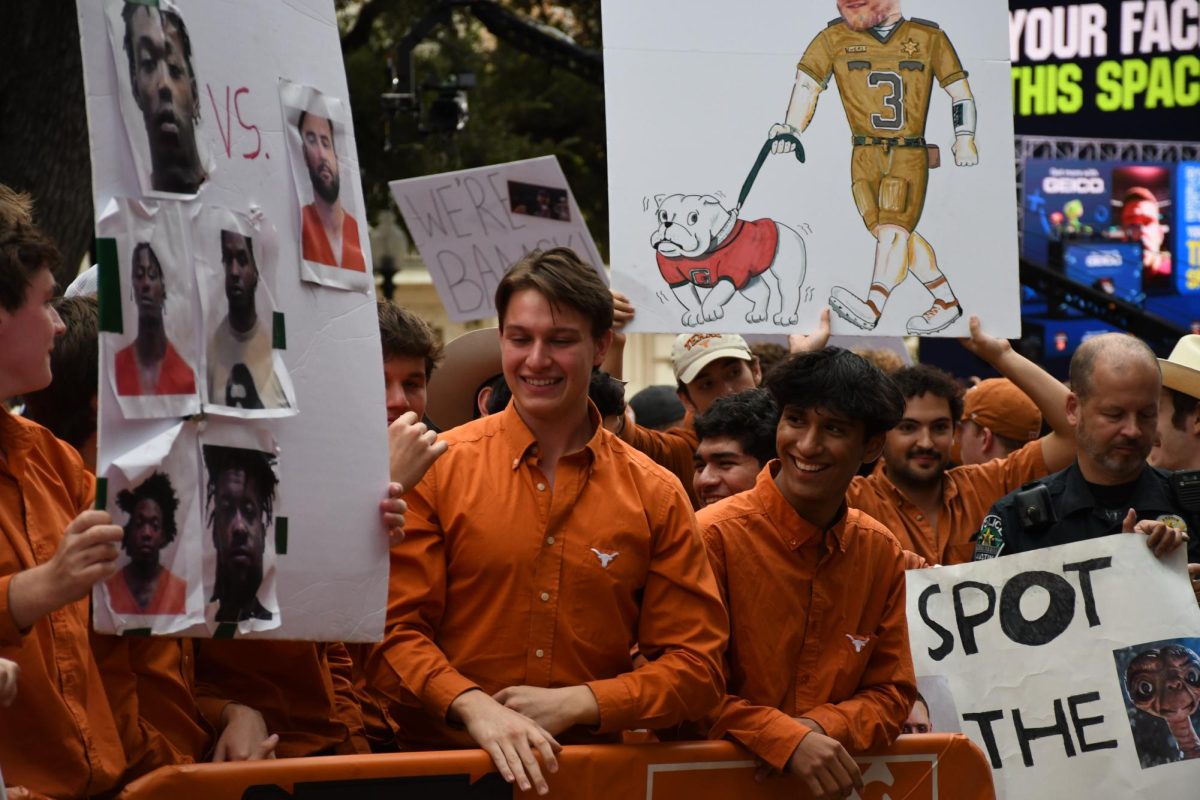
(998, 405)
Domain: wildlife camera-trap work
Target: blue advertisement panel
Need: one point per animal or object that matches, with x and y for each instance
(1187, 230)
(1064, 201)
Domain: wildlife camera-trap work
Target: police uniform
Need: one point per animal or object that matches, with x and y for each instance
(885, 83)
(1078, 516)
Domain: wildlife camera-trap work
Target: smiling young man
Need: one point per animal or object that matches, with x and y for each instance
(933, 509)
(737, 439)
(819, 664)
(537, 550)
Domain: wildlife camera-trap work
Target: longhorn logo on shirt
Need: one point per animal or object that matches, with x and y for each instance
(605, 558)
(859, 642)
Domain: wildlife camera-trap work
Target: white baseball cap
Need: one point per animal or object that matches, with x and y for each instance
(692, 352)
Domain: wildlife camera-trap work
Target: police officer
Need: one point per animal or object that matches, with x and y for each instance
(1110, 488)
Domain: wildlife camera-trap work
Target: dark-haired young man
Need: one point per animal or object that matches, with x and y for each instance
(537, 550)
(737, 439)
(819, 664)
(159, 52)
(934, 510)
(145, 586)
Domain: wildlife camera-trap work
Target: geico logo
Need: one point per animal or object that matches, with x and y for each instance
(1073, 185)
(1104, 258)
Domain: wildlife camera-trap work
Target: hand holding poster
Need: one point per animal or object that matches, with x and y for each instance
(1075, 668)
(472, 225)
(742, 204)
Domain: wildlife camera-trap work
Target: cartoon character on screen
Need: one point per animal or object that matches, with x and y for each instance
(240, 497)
(1165, 682)
(145, 586)
(884, 66)
(706, 255)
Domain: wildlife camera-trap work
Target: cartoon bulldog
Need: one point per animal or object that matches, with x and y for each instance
(702, 245)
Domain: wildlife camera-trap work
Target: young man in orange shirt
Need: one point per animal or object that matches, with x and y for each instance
(60, 735)
(819, 664)
(537, 550)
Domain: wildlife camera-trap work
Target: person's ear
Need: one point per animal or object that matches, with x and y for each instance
(1073, 405)
(756, 371)
(873, 447)
(602, 345)
(1193, 424)
(482, 399)
(988, 437)
(682, 394)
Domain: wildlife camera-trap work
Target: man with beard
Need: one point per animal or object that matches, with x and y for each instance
(241, 370)
(932, 510)
(159, 52)
(884, 66)
(1115, 382)
(145, 586)
(241, 491)
(330, 235)
(150, 365)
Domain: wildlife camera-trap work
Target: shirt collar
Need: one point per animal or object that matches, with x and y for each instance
(521, 440)
(1076, 495)
(16, 439)
(789, 526)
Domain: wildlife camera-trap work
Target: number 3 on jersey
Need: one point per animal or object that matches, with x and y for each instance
(893, 100)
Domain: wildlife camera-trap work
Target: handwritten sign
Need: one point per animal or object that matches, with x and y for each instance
(470, 227)
(1060, 661)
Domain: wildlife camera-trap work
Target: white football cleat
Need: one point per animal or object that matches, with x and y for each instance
(940, 315)
(849, 307)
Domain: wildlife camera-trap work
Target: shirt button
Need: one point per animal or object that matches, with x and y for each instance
(549, 540)
(516, 462)
(541, 487)
(538, 653)
(545, 597)
(920, 518)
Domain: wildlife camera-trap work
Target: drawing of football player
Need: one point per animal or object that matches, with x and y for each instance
(884, 66)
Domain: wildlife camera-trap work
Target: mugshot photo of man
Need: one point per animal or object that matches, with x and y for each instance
(159, 55)
(150, 365)
(241, 371)
(144, 585)
(330, 234)
(240, 498)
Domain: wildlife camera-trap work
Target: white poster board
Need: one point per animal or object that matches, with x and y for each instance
(470, 226)
(191, 145)
(692, 92)
(1073, 668)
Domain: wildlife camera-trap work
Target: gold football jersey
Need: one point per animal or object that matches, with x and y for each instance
(884, 83)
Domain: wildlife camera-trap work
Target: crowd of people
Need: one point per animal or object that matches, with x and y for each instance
(562, 571)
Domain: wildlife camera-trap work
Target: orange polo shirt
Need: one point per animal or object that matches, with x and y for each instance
(674, 449)
(291, 684)
(154, 677)
(59, 736)
(502, 580)
(967, 494)
(817, 625)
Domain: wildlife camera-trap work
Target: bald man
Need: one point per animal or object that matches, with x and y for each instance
(1113, 404)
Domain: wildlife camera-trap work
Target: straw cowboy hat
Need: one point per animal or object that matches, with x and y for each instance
(1181, 371)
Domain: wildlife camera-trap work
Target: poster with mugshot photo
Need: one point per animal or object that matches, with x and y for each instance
(334, 246)
(148, 310)
(188, 122)
(244, 530)
(150, 492)
(157, 75)
(244, 335)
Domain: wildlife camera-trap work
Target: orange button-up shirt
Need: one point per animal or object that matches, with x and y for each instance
(153, 677)
(967, 494)
(291, 684)
(502, 580)
(58, 737)
(674, 449)
(817, 625)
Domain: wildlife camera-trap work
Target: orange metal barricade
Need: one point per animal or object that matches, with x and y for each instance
(931, 767)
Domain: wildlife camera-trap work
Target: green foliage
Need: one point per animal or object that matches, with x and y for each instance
(521, 107)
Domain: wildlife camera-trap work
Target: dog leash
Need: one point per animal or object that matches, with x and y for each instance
(762, 158)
